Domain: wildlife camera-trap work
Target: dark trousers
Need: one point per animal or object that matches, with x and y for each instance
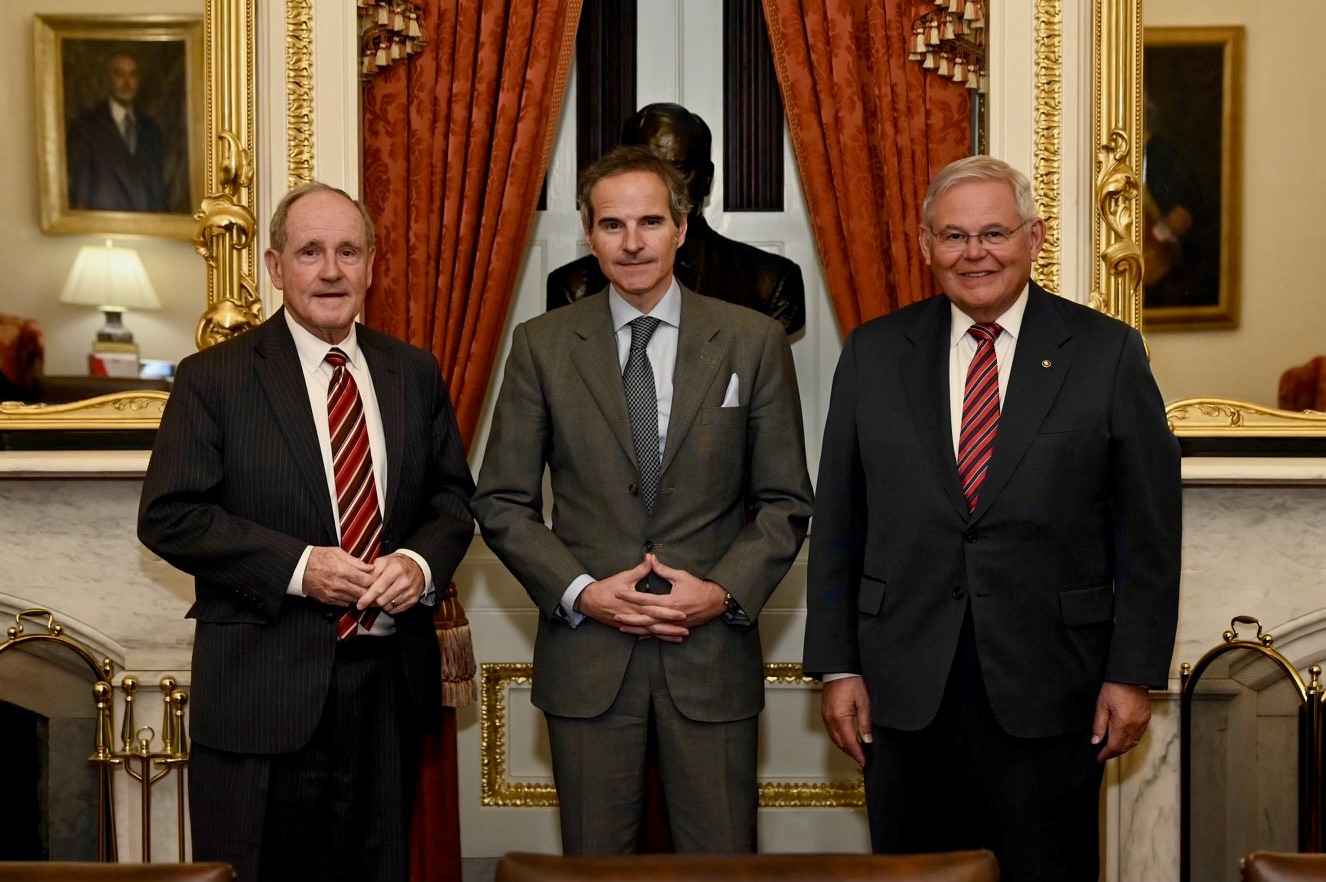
(962, 782)
(708, 770)
(337, 809)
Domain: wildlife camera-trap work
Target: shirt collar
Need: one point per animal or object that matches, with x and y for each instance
(313, 352)
(667, 310)
(1010, 321)
(118, 111)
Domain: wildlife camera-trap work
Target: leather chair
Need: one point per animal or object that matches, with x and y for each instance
(56, 871)
(1279, 866)
(961, 866)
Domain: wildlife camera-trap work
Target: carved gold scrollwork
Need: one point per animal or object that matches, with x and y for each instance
(227, 231)
(1194, 417)
(299, 91)
(1116, 198)
(1046, 178)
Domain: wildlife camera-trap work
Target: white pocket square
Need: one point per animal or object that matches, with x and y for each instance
(732, 397)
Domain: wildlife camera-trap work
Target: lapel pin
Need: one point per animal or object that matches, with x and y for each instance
(1045, 363)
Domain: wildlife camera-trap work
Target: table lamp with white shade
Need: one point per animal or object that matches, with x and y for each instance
(113, 280)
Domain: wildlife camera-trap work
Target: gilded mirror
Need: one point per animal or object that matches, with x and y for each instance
(224, 236)
(1202, 372)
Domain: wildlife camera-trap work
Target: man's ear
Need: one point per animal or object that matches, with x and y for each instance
(923, 239)
(270, 259)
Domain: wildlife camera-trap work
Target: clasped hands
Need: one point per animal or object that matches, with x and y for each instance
(394, 581)
(615, 602)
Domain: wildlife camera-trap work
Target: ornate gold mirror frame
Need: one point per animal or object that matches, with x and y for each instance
(226, 236)
(1116, 276)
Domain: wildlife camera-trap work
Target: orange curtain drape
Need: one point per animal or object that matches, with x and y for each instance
(456, 142)
(455, 148)
(869, 129)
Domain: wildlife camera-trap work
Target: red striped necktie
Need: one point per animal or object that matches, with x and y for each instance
(356, 491)
(980, 412)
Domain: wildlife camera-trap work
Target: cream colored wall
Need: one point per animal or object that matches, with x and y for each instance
(1284, 190)
(33, 266)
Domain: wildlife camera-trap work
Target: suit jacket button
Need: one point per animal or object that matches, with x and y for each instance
(970, 535)
(633, 490)
(329, 617)
(958, 592)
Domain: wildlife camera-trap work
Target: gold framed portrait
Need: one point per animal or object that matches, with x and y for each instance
(1191, 177)
(119, 123)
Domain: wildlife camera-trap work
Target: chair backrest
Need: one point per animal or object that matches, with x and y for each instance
(961, 866)
(72, 872)
(1279, 866)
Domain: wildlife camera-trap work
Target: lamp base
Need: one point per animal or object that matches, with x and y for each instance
(114, 330)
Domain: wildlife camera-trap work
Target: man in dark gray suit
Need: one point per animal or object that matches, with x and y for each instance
(116, 152)
(309, 474)
(671, 426)
(994, 569)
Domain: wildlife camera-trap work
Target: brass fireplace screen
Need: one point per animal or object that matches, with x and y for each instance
(143, 753)
(1251, 756)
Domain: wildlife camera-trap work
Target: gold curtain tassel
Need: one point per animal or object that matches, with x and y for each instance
(459, 688)
(929, 63)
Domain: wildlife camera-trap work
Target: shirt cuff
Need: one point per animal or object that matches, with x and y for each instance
(296, 584)
(827, 677)
(567, 608)
(429, 597)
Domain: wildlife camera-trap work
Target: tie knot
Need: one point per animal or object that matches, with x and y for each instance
(336, 358)
(984, 332)
(641, 330)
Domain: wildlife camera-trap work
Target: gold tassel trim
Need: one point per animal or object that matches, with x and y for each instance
(453, 636)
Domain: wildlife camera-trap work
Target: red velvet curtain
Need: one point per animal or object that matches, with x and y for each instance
(869, 129)
(456, 142)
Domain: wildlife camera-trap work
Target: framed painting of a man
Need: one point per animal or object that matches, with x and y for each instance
(119, 103)
(1190, 175)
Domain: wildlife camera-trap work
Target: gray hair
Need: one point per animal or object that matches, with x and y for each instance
(979, 168)
(277, 237)
(623, 160)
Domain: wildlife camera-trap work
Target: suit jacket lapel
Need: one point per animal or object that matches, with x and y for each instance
(594, 355)
(1041, 362)
(281, 376)
(389, 387)
(698, 356)
(925, 378)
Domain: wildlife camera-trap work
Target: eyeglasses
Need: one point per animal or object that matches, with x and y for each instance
(956, 240)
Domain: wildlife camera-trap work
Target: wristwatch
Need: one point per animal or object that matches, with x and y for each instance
(730, 605)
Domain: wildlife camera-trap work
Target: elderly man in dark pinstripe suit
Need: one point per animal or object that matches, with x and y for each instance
(309, 474)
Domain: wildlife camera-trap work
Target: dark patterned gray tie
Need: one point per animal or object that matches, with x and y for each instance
(642, 405)
(130, 133)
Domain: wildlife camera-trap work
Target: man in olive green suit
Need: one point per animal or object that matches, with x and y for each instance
(671, 426)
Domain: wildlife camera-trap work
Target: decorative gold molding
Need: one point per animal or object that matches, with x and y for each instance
(496, 678)
(1221, 417)
(299, 91)
(122, 410)
(1116, 132)
(1049, 68)
(227, 230)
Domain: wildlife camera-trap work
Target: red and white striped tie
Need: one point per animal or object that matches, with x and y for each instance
(356, 491)
(980, 412)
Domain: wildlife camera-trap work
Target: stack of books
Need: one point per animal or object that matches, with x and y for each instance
(112, 359)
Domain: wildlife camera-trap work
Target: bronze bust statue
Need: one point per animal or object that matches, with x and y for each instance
(707, 263)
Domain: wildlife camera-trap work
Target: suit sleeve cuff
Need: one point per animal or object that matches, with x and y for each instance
(828, 677)
(296, 583)
(429, 596)
(567, 608)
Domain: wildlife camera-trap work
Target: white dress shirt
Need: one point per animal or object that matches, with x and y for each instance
(962, 349)
(662, 353)
(317, 378)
